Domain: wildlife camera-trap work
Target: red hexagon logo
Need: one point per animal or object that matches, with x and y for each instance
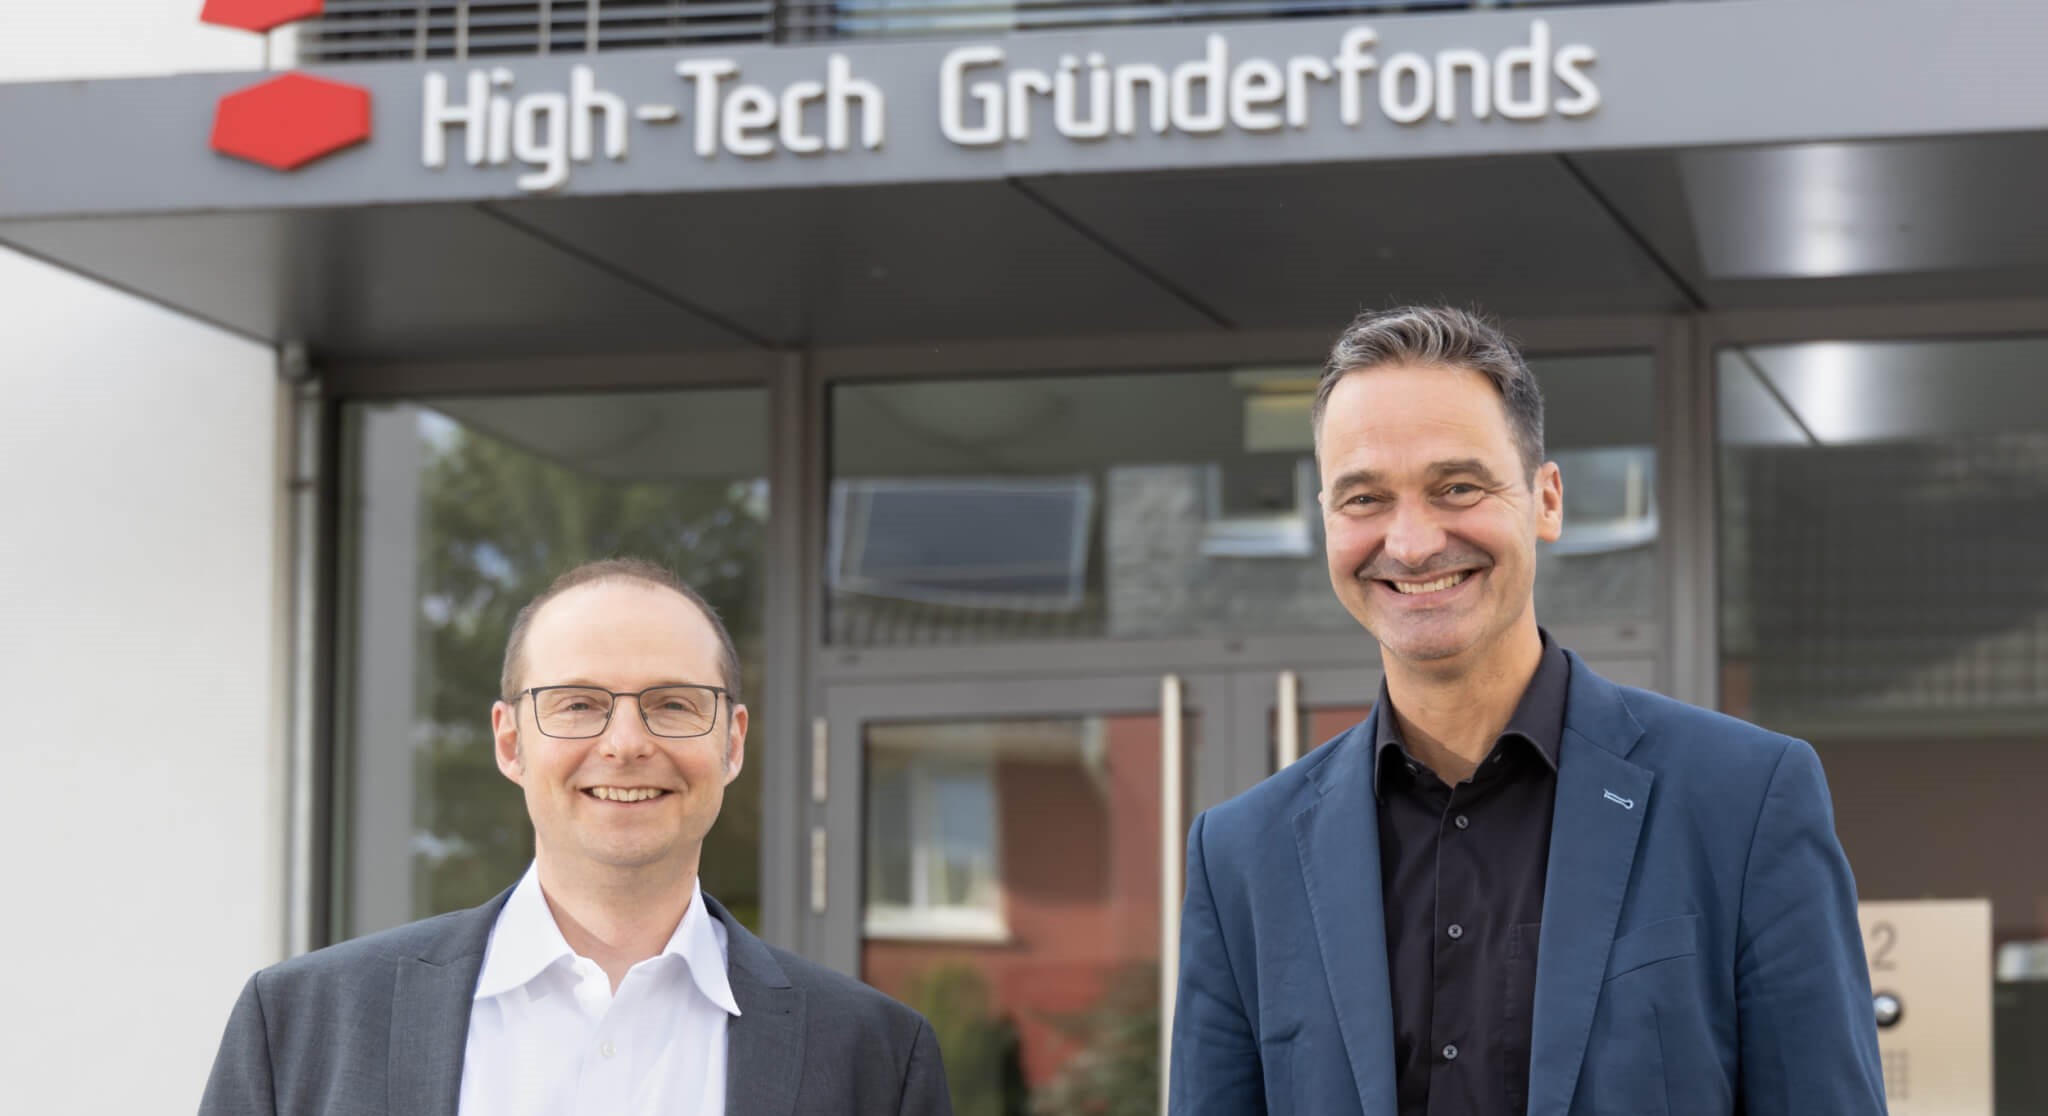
(290, 121)
(257, 15)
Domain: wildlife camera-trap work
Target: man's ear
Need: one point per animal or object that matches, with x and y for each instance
(1549, 502)
(736, 744)
(505, 741)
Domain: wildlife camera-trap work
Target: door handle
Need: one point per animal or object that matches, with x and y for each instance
(1172, 866)
(1287, 722)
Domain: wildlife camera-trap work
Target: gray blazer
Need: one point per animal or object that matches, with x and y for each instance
(377, 1027)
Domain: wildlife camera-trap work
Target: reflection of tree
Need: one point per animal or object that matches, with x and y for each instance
(1115, 1071)
(983, 1073)
(499, 524)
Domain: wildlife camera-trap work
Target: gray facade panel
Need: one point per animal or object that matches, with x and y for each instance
(1667, 75)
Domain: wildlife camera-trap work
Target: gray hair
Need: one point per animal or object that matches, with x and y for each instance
(1442, 337)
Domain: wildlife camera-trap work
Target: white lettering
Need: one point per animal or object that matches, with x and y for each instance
(1128, 78)
(1571, 63)
(1480, 67)
(706, 73)
(586, 104)
(501, 120)
(749, 109)
(1066, 112)
(1417, 69)
(1023, 83)
(984, 101)
(989, 94)
(1353, 63)
(1533, 59)
(540, 139)
(1254, 83)
(841, 89)
(1209, 75)
(1300, 71)
(793, 135)
(440, 116)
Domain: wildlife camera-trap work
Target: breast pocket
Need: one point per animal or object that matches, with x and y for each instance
(1659, 941)
(1625, 1068)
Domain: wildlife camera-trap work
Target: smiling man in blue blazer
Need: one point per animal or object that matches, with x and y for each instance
(1516, 887)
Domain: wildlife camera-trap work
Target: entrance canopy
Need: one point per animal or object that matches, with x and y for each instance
(1269, 175)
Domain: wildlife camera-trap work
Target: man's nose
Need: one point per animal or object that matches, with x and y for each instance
(1415, 534)
(626, 736)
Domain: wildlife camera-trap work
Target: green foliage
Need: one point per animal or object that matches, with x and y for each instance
(1115, 1070)
(983, 1070)
(498, 524)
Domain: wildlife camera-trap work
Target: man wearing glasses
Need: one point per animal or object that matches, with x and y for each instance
(605, 980)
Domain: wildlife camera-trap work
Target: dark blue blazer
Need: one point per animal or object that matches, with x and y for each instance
(1699, 955)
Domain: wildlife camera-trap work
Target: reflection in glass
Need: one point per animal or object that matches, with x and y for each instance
(457, 512)
(1884, 557)
(1170, 504)
(1012, 895)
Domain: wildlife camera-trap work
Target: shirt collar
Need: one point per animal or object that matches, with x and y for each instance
(526, 942)
(1538, 717)
(700, 941)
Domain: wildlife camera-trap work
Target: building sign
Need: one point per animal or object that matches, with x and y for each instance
(288, 121)
(1147, 98)
(1930, 973)
(989, 101)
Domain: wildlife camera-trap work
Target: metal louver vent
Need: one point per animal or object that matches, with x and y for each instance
(367, 30)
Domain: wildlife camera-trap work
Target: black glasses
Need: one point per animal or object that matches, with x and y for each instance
(581, 712)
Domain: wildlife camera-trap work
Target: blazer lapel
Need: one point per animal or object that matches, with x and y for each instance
(430, 1005)
(1338, 839)
(764, 1046)
(1601, 801)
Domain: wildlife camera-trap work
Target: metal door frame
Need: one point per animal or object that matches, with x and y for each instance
(830, 925)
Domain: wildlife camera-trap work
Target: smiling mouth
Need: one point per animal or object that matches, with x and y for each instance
(624, 794)
(1418, 588)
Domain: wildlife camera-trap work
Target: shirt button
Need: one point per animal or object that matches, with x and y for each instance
(1451, 1052)
(1461, 821)
(1456, 931)
(607, 1049)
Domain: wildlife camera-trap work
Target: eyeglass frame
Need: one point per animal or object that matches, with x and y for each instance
(716, 691)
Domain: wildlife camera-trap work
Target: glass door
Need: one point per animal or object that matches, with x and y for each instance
(1006, 857)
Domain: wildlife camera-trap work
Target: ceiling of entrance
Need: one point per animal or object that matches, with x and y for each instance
(1275, 248)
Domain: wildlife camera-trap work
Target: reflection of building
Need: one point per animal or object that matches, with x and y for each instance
(987, 441)
(1027, 854)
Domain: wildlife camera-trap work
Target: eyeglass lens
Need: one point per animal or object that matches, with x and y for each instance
(575, 711)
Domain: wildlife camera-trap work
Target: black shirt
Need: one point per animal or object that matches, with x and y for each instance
(1461, 876)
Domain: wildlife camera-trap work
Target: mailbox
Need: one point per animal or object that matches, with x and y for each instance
(1930, 975)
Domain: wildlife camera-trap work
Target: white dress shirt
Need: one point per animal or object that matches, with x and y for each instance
(548, 1038)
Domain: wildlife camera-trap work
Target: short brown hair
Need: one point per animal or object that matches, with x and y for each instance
(615, 569)
(1446, 337)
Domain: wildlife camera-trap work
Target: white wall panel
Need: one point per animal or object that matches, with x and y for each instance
(139, 495)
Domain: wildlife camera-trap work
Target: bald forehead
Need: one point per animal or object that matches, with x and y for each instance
(621, 624)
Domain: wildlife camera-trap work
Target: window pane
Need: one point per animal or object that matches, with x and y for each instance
(1884, 532)
(889, 833)
(963, 821)
(458, 512)
(1034, 952)
(1155, 505)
